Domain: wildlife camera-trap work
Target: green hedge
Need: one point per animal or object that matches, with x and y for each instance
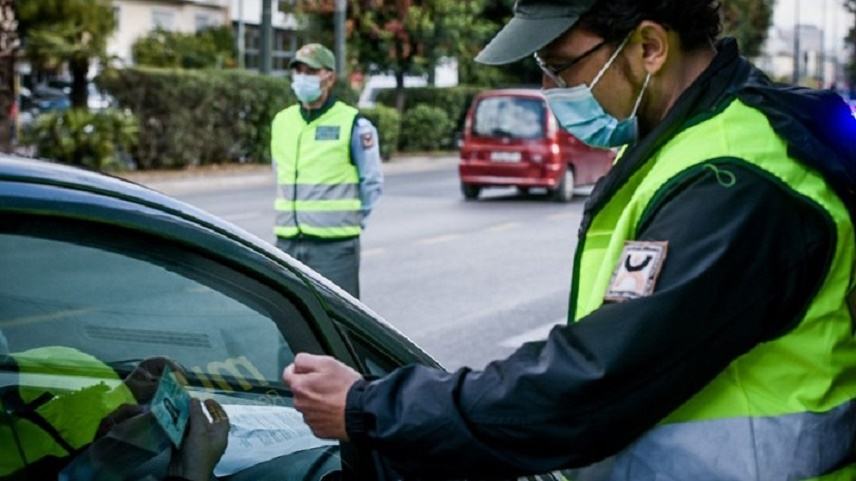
(198, 117)
(454, 101)
(388, 124)
(98, 140)
(425, 127)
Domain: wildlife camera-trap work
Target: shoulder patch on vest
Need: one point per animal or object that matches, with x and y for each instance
(327, 132)
(367, 140)
(638, 269)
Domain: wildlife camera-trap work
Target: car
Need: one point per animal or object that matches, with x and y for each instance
(511, 138)
(44, 98)
(99, 276)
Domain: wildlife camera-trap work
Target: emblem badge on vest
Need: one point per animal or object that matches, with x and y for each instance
(327, 132)
(638, 269)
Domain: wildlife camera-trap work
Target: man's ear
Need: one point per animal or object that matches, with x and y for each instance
(656, 45)
(329, 78)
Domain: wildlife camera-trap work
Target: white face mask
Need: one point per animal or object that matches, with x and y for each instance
(307, 88)
(578, 112)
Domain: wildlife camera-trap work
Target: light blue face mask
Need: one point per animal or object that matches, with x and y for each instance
(578, 111)
(307, 88)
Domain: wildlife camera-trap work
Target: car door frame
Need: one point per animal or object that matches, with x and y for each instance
(32, 197)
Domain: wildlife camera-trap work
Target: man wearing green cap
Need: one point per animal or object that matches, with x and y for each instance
(710, 334)
(327, 162)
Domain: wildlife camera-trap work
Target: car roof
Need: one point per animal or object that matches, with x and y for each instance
(33, 171)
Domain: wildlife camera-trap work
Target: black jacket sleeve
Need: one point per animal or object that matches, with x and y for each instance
(744, 260)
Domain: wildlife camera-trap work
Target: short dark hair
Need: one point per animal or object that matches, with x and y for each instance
(698, 22)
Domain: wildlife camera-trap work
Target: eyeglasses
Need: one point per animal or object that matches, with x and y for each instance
(555, 73)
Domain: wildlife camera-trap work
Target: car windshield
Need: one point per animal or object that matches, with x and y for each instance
(85, 321)
(510, 117)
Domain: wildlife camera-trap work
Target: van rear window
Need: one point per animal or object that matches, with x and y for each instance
(511, 117)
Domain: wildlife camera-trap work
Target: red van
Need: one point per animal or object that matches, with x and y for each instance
(512, 139)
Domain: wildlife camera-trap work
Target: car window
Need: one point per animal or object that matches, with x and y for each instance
(511, 117)
(371, 357)
(83, 306)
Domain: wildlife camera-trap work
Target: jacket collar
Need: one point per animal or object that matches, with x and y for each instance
(310, 116)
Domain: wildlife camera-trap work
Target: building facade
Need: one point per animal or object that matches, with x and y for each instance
(246, 19)
(819, 66)
(136, 18)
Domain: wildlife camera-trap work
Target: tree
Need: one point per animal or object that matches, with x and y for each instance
(8, 51)
(388, 35)
(209, 48)
(748, 21)
(71, 32)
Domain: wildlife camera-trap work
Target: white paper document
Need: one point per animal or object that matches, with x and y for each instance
(261, 433)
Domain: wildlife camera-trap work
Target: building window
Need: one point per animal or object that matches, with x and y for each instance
(163, 19)
(203, 21)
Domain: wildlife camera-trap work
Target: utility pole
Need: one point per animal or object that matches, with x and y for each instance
(797, 67)
(340, 14)
(266, 38)
(823, 46)
(242, 35)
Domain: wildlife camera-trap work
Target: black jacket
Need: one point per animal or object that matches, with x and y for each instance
(744, 263)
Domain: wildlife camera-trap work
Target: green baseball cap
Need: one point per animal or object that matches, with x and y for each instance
(314, 55)
(536, 23)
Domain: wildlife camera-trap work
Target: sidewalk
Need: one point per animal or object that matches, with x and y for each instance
(226, 176)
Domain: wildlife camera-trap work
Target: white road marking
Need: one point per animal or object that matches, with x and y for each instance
(563, 216)
(373, 252)
(537, 334)
(502, 227)
(438, 239)
(242, 216)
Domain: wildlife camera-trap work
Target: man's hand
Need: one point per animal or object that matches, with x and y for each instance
(204, 443)
(143, 381)
(320, 385)
(118, 416)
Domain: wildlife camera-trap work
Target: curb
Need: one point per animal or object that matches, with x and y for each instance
(197, 180)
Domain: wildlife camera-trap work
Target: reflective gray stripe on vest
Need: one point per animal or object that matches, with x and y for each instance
(344, 218)
(792, 447)
(319, 191)
(285, 218)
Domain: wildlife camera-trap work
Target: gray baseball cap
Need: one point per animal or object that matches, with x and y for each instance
(535, 24)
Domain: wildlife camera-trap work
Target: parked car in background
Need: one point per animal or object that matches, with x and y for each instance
(512, 139)
(98, 275)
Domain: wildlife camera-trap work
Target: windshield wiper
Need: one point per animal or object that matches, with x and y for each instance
(498, 132)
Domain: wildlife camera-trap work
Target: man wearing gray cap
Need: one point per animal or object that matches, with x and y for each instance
(710, 335)
(327, 162)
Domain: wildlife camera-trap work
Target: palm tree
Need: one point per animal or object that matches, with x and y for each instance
(8, 51)
(71, 32)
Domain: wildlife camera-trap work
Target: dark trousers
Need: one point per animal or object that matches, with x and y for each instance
(338, 261)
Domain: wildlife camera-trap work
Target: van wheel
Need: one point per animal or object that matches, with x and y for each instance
(564, 192)
(471, 192)
(523, 191)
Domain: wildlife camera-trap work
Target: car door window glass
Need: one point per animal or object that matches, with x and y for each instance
(510, 117)
(82, 306)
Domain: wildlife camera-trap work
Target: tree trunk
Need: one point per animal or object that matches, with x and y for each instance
(400, 96)
(8, 51)
(79, 83)
(399, 77)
